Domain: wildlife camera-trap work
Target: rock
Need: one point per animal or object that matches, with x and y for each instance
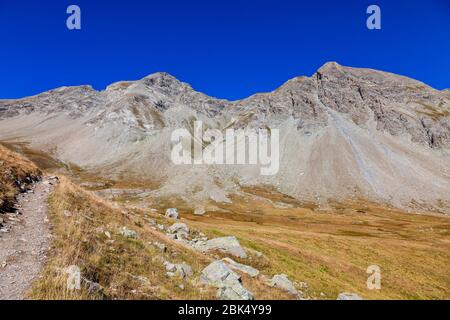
(3, 265)
(252, 272)
(217, 274)
(127, 233)
(179, 228)
(161, 227)
(92, 287)
(234, 292)
(225, 244)
(170, 267)
(181, 270)
(281, 281)
(160, 246)
(152, 222)
(172, 213)
(348, 296)
(199, 211)
(228, 282)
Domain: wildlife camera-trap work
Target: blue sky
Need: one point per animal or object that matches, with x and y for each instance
(228, 49)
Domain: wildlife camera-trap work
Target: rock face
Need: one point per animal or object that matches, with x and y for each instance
(252, 272)
(228, 282)
(349, 296)
(225, 244)
(368, 134)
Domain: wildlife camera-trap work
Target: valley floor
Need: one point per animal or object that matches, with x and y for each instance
(324, 250)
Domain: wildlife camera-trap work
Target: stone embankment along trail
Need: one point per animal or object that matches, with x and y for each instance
(24, 239)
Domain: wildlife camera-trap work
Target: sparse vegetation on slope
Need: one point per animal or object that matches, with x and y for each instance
(16, 173)
(330, 248)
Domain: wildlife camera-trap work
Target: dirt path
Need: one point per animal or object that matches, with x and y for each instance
(24, 239)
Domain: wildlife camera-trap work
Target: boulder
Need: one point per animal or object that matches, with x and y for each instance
(160, 246)
(172, 213)
(348, 296)
(179, 229)
(199, 211)
(217, 274)
(281, 281)
(127, 233)
(181, 270)
(234, 292)
(252, 272)
(225, 244)
(228, 282)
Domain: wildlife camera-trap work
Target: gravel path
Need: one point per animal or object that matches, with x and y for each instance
(24, 239)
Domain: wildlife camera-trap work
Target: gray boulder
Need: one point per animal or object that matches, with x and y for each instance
(348, 296)
(281, 281)
(181, 270)
(127, 233)
(252, 272)
(225, 244)
(199, 211)
(180, 229)
(228, 282)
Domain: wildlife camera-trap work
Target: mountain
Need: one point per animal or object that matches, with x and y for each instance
(345, 133)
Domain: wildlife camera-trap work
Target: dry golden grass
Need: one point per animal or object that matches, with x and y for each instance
(117, 263)
(14, 171)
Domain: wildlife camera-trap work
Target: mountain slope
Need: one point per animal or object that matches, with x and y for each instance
(345, 133)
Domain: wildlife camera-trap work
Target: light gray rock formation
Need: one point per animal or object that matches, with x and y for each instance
(180, 229)
(172, 213)
(252, 272)
(228, 245)
(228, 282)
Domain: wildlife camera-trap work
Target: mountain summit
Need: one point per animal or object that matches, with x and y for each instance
(345, 133)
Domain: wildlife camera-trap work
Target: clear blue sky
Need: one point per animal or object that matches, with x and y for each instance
(228, 49)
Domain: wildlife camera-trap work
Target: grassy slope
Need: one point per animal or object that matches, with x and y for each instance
(117, 263)
(330, 250)
(14, 171)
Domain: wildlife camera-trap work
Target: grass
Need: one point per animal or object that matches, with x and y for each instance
(331, 250)
(15, 171)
